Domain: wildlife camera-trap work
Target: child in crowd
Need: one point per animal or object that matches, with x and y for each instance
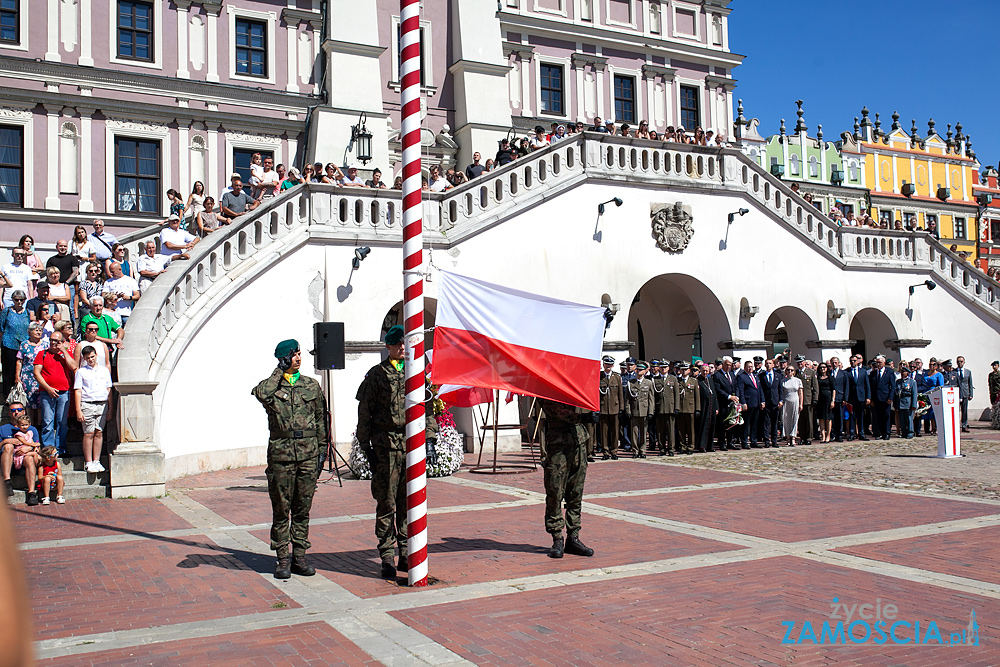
(26, 454)
(48, 472)
(176, 204)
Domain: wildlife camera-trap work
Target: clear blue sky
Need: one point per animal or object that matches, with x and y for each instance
(924, 58)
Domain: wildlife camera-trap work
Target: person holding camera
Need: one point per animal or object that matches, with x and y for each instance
(296, 418)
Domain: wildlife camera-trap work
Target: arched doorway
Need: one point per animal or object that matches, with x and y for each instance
(787, 330)
(677, 317)
(395, 316)
(871, 328)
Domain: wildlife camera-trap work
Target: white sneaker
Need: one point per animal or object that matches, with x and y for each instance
(59, 500)
(45, 500)
(88, 466)
(98, 467)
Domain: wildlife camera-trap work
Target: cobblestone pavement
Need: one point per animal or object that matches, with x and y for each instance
(735, 558)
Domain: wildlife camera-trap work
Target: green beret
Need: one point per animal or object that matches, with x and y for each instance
(285, 348)
(394, 336)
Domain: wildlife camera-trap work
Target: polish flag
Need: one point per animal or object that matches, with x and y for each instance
(457, 395)
(487, 335)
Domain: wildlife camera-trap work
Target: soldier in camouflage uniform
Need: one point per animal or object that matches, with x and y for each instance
(382, 436)
(296, 419)
(564, 460)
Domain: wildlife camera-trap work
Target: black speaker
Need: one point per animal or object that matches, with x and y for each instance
(328, 345)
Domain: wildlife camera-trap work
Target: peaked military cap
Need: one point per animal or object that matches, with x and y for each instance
(630, 360)
(394, 335)
(642, 364)
(608, 359)
(800, 357)
(654, 362)
(663, 363)
(685, 364)
(285, 348)
(759, 360)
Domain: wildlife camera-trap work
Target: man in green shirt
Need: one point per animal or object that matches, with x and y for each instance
(108, 331)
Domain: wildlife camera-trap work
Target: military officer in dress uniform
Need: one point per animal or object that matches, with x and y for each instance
(296, 419)
(689, 404)
(611, 405)
(665, 400)
(810, 396)
(624, 420)
(639, 395)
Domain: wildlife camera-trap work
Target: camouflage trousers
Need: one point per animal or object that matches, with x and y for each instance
(389, 492)
(291, 485)
(565, 471)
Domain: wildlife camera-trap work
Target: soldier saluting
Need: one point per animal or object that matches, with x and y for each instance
(296, 419)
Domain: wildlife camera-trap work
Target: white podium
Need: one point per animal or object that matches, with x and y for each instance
(945, 403)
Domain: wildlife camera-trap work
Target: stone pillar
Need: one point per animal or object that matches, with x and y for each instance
(86, 37)
(213, 9)
(137, 464)
(52, 146)
(665, 75)
(52, 52)
(86, 160)
(182, 38)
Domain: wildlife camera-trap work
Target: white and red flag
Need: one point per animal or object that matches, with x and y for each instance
(488, 335)
(457, 395)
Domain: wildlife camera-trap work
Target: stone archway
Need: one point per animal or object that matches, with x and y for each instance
(788, 329)
(871, 328)
(677, 317)
(395, 316)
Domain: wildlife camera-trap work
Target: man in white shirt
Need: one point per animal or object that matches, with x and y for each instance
(91, 389)
(270, 180)
(152, 264)
(103, 241)
(174, 240)
(14, 276)
(438, 182)
(125, 287)
(352, 180)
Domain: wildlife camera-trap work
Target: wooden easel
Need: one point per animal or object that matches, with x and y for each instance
(484, 426)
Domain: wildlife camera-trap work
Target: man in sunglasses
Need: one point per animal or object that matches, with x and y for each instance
(8, 442)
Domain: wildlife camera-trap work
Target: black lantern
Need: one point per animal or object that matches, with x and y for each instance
(362, 140)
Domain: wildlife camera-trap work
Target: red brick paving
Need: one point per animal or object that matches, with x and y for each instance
(92, 518)
(250, 505)
(87, 589)
(305, 644)
(796, 511)
(722, 615)
(219, 478)
(967, 553)
(490, 545)
(610, 476)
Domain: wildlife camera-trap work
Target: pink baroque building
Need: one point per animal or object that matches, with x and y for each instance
(106, 104)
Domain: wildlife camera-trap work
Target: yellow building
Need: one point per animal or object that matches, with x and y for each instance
(915, 180)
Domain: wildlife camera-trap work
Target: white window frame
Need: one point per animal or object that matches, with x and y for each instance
(428, 86)
(22, 29)
(632, 13)
(567, 97)
(637, 80)
(271, 19)
(562, 11)
(158, 33)
(647, 8)
(703, 111)
(954, 227)
(24, 119)
(794, 164)
(112, 133)
(674, 6)
(815, 167)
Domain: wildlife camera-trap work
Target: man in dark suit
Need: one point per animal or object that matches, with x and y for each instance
(858, 397)
(839, 378)
(770, 384)
(883, 391)
(965, 388)
(724, 382)
(751, 402)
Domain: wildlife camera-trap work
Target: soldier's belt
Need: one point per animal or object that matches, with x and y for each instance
(295, 435)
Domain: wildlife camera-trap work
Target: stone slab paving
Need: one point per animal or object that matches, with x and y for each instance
(699, 560)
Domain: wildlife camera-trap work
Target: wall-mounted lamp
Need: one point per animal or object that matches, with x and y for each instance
(617, 201)
(929, 284)
(747, 311)
(362, 140)
(359, 256)
(832, 312)
(944, 194)
(837, 176)
(741, 213)
(908, 189)
(985, 199)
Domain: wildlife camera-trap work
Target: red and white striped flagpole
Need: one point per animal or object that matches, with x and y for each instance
(413, 294)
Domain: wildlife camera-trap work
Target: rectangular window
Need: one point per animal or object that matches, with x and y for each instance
(885, 218)
(995, 231)
(137, 175)
(10, 22)
(399, 59)
(11, 165)
(251, 48)
(959, 228)
(690, 109)
(552, 89)
(241, 162)
(910, 220)
(624, 99)
(135, 30)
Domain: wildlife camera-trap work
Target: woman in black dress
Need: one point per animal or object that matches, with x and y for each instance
(709, 409)
(825, 403)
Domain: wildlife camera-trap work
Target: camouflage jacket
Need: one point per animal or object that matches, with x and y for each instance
(296, 417)
(382, 409)
(563, 423)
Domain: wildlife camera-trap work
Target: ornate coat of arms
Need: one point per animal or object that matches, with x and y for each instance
(672, 227)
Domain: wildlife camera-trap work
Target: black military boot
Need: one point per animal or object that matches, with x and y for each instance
(301, 566)
(558, 544)
(282, 569)
(403, 565)
(388, 570)
(576, 547)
